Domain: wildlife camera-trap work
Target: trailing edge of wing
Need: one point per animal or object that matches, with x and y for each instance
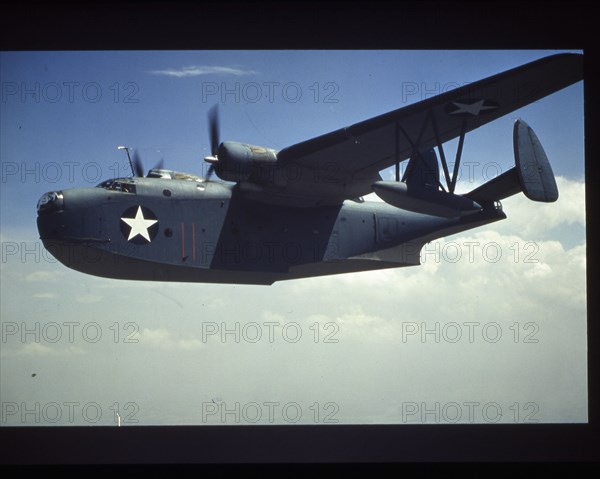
(382, 141)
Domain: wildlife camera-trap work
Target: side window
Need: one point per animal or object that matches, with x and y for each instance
(127, 188)
(124, 187)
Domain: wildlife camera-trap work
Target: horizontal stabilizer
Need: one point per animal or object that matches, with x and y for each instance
(503, 186)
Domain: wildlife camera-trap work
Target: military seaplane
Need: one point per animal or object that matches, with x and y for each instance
(299, 212)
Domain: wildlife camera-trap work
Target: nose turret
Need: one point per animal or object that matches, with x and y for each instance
(50, 202)
(69, 216)
(50, 221)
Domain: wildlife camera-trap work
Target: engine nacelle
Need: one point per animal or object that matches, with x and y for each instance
(427, 200)
(239, 161)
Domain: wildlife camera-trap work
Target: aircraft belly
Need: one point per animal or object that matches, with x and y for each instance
(98, 261)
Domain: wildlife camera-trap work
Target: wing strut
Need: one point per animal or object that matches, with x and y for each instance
(450, 180)
(441, 151)
(461, 142)
(397, 152)
(415, 147)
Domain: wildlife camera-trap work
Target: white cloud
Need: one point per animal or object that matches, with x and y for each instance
(487, 273)
(360, 323)
(39, 349)
(198, 70)
(43, 276)
(269, 316)
(190, 344)
(88, 298)
(537, 279)
(163, 339)
(159, 336)
(533, 219)
(44, 296)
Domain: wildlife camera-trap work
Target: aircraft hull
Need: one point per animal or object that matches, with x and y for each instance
(221, 237)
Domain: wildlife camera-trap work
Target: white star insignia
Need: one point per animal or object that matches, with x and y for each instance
(139, 225)
(473, 109)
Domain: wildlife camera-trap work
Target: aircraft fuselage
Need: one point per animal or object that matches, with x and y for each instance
(196, 231)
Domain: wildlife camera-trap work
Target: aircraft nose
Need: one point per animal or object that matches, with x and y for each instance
(50, 202)
(71, 216)
(50, 208)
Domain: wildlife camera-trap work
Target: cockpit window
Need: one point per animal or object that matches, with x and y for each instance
(118, 185)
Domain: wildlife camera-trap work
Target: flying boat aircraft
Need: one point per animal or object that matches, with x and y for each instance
(299, 212)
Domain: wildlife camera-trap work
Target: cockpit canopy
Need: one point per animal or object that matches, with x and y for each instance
(173, 175)
(124, 185)
(128, 185)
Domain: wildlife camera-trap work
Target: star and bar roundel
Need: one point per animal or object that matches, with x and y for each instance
(139, 225)
(470, 107)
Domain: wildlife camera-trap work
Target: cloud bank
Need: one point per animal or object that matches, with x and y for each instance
(199, 70)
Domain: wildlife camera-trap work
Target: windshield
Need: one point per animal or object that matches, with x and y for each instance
(125, 186)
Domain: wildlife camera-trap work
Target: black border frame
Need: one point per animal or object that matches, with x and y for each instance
(311, 25)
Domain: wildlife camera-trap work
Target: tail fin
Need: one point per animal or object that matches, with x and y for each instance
(532, 174)
(422, 171)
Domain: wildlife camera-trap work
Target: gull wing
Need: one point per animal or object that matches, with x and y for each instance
(345, 163)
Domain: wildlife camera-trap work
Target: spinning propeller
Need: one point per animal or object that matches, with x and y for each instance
(213, 129)
(138, 167)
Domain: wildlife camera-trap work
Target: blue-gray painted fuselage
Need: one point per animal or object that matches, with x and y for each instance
(195, 231)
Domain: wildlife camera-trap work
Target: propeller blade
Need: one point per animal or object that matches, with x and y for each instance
(159, 165)
(209, 173)
(137, 165)
(213, 126)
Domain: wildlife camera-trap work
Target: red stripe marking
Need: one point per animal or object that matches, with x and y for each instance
(193, 241)
(182, 241)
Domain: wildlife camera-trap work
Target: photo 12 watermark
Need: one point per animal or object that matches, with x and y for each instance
(470, 412)
(53, 332)
(61, 172)
(270, 332)
(412, 91)
(416, 91)
(274, 252)
(325, 173)
(69, 92)
(269, 92)
(269, 412)
(469, 332)
(50, 413)
(477, 251)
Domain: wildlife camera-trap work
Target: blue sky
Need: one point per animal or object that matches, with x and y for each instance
(62, 115)
(87, 103)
